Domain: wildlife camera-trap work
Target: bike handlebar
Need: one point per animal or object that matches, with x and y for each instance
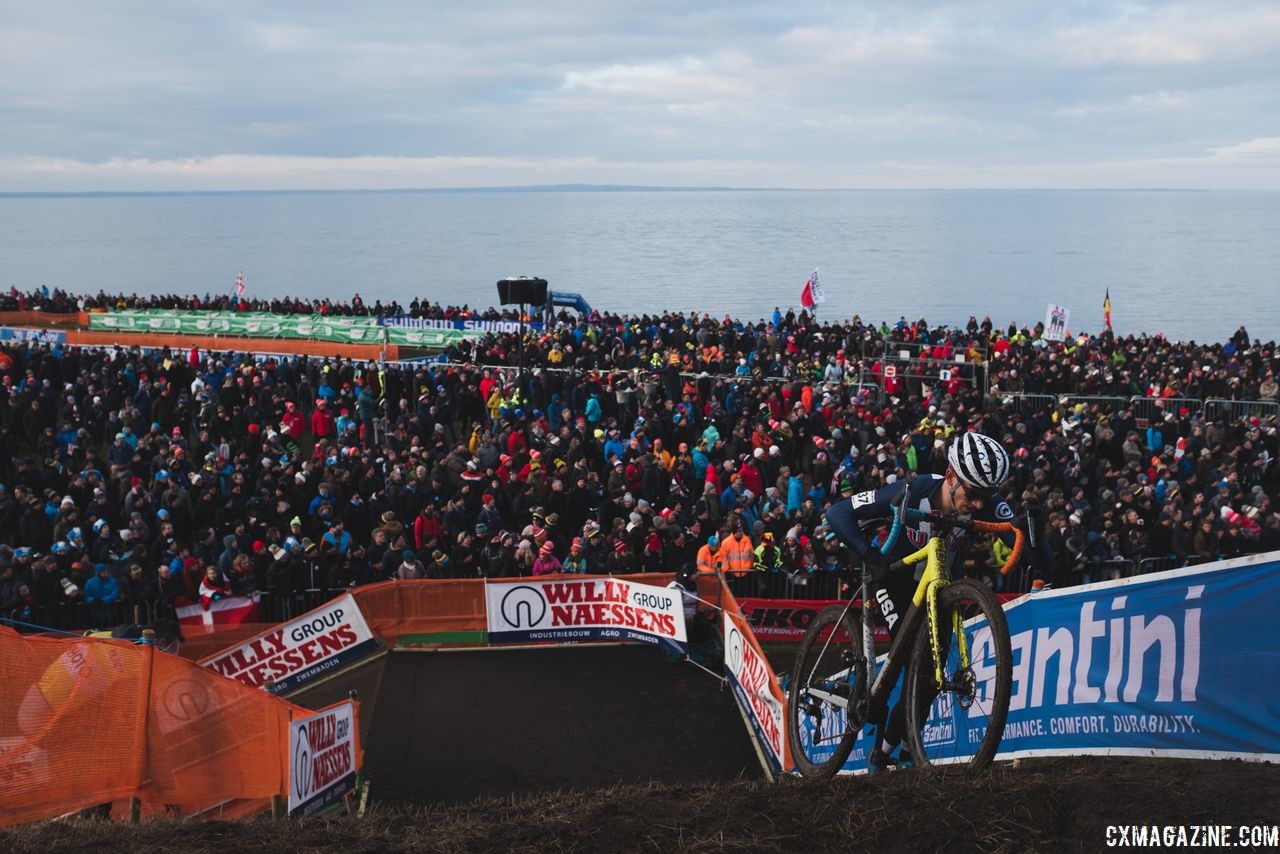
(901, 512)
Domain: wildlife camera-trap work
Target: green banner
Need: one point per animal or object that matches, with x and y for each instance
(428, 337)
(253, 324)
(344, 330)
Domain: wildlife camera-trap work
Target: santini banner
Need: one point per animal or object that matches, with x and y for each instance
(1178, 663)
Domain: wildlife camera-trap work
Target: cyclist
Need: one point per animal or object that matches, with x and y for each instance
(977, 466)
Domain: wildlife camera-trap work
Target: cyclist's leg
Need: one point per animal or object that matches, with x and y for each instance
(893, 595)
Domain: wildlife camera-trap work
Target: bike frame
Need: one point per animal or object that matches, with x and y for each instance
(935, 577)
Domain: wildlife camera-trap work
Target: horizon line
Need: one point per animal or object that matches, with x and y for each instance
(601, 188)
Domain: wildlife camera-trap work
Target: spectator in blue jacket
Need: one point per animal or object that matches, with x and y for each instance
(102, 591)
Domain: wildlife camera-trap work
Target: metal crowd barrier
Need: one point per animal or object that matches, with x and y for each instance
(817, 585)
(1146, 409)
(1236, 409)
(1104, 402)
(81, 616)
(1157, 564)
(1110, 570)
(1026, 404)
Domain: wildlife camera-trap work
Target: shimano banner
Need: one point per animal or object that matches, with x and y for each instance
(1179, 663)
(473, 328)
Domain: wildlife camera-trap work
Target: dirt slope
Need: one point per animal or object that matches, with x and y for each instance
(1050, 805)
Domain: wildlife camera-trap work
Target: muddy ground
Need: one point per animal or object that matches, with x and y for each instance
(1046, 805)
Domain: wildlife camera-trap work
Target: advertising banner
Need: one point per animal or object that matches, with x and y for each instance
(755, 688)
(343, 330)
(472, 328)
(296, 652)
(407, 331)
(322, 759)
(42, 336)
(427, 337)
(1178, 663)
(787, 620)
(591, 609)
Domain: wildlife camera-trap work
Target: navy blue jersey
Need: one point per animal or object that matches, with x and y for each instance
(852, 517)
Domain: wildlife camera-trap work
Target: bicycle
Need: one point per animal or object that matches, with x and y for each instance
(960, 656)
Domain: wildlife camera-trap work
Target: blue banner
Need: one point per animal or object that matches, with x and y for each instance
(44, 336)
(477, 327)
(1184, 663)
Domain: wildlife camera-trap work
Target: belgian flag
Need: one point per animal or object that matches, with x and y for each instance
(1106, 308)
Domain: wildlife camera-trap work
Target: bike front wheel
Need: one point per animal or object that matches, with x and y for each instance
(962, 720)
(827, 692)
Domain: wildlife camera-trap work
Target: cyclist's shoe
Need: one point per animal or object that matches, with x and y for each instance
(784, 681)
(880, 761)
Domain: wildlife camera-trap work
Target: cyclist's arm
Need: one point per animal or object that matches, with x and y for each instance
(847, 515)
(1002, 511)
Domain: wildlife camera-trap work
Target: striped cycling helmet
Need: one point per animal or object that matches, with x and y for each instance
(979, 461)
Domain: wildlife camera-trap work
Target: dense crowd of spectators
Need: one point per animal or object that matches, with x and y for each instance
(57, 301)
(632, 443)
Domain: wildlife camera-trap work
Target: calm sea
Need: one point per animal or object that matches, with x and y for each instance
(1190, 264)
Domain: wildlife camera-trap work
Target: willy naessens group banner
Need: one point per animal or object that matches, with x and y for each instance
(1184, 663)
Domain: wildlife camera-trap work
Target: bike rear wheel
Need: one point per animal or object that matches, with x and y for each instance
(961, 723)
(828, 679)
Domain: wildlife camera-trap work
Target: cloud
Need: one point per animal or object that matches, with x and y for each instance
(754, 93)
(1266, 148)
(1169, 35)
(1157, 99)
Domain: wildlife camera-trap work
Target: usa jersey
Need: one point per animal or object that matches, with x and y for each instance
(851, 519)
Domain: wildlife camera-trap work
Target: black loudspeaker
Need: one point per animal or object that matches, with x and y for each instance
(522, 291)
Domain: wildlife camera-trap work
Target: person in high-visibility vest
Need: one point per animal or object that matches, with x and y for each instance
(737, 555)
(709, 555)
(768, 557)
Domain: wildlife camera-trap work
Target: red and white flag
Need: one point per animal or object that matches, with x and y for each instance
(812, 295)
(240, 284)
(231, 611)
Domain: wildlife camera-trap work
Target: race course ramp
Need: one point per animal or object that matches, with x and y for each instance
(450, 726)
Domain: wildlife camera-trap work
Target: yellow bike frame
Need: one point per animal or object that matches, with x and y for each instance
(935, 577)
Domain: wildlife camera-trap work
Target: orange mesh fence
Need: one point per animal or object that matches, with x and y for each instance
(42, 318)
(396, 608)
(87, 721)
(210, 342)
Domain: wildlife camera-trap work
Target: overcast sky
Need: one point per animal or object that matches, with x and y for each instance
(229, 95)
